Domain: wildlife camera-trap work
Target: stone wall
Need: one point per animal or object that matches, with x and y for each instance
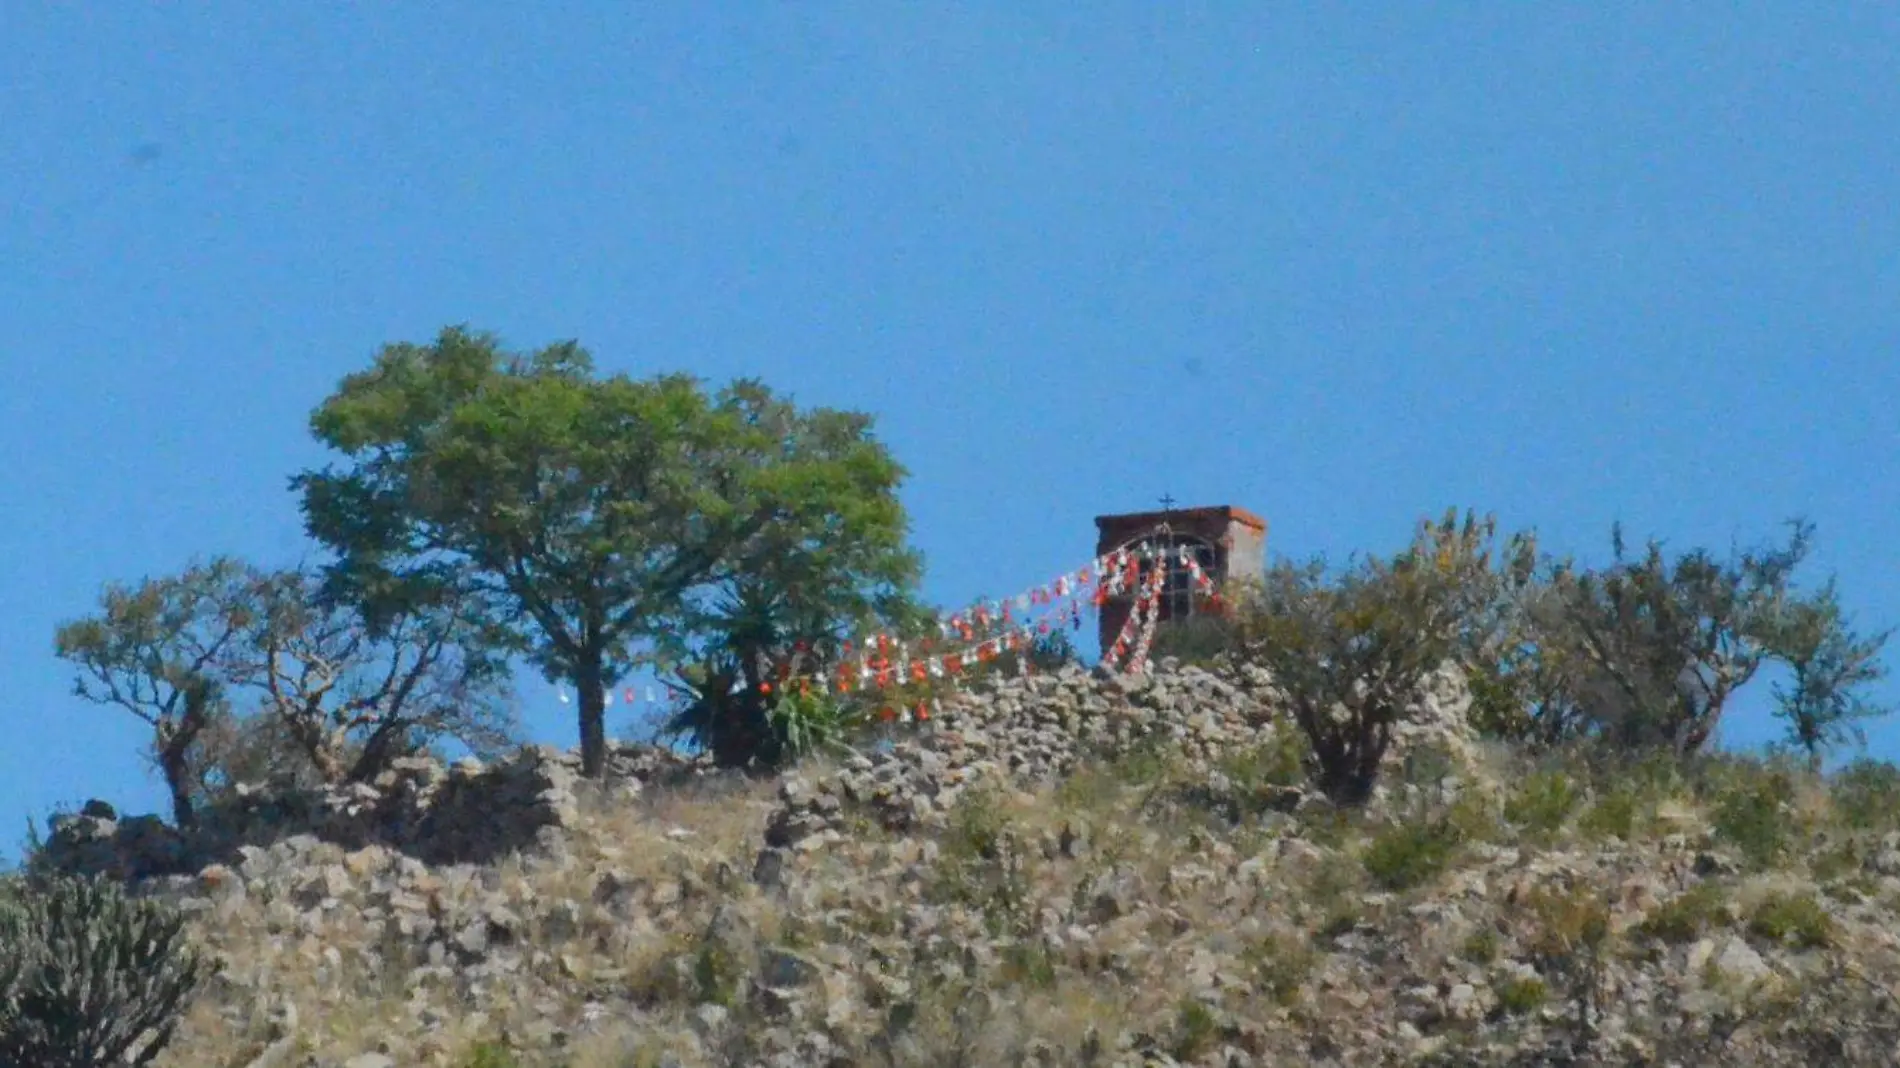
(1006, 731)
(466, 812)
(1024, 730)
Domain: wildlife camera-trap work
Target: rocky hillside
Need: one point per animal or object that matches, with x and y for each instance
(1081, 869)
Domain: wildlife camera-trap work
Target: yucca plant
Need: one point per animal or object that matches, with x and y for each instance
(89, 976)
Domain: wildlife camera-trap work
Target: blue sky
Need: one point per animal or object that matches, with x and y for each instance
(1571, 263)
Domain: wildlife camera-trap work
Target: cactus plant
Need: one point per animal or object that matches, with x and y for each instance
(16, 957)
(90, 976)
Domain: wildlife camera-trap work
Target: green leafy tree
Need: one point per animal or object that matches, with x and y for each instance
(160, 650)
(1824, 701)
(1658, 647)
(833, 568)
(598, 517)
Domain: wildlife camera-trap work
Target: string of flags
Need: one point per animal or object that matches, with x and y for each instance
(630, 694)
(990, 629)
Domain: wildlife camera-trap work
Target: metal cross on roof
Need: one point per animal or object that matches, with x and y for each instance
(1167, 502)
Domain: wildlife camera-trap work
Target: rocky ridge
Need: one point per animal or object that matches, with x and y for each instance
(1082, 868)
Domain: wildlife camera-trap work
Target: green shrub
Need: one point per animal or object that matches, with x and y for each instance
(976, 826)
(983, 864)
(1334, 890)
(1140, 764)
(1097, 783)
(1753, 814)
(1405, 855)
(1543, 802)
(1567, 922)
(1482, 946)
(1280, 967)
(491, 1055)
(1196, 1030)
(1473, 816)
(90, 977)
(1028, 962)
(1338, 918)
(1866, 795)
(1689, 915)
(809, 723)
(1518, 996)
(1329, 826)
(1280, 760)
(1611, 814)
(717, 973)
(1836, 861)
(1795, 919)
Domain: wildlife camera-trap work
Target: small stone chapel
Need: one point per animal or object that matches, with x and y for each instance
(1228, 543)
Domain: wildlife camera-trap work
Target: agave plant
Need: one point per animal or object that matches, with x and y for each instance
(810, 722)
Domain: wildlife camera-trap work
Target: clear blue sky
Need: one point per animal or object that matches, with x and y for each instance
(1571, 263)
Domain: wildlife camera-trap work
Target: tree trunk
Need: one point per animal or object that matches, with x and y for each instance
(174, 749)
(1346, 786)
(172, 763)
(592, 700)
(378, 752)
(324, 756)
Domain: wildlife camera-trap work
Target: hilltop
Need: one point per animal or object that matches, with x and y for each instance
(1077, 868)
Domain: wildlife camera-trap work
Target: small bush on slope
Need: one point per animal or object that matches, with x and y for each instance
(1866, 795)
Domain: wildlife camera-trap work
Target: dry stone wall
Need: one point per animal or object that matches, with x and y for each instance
(1026, 730)
(1021, 730)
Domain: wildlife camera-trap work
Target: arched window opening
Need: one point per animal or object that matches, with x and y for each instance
(1178, 593)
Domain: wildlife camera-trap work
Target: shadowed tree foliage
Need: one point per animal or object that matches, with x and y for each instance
(1528, 679)
(743, 691)
(1658, 647)
(256, 750)
(161, 650)
(356, 685)
(599, 517)
(832, 567)
(1351, 652)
